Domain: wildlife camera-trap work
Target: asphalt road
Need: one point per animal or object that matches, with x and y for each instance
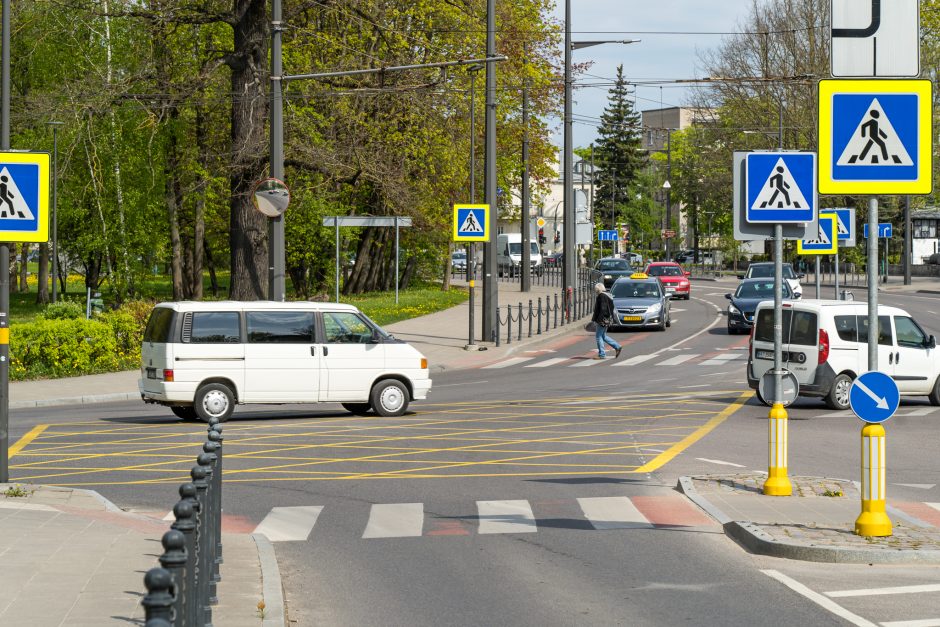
(536, 492)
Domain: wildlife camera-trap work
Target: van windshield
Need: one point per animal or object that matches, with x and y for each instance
(515, 248)
(799, 327)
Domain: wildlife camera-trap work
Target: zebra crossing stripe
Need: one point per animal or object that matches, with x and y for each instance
(547, 362)
(720, 360)
(638, 359)
(395, 520)
(584, 363)
(289, 524)
(508, 362)
(678, 359)
(613, 512)
(505, 517)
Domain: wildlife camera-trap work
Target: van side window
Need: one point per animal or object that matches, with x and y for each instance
(346, 328)
(159, 325)
(280, 327)
(803, 329)
(909, 333)
(211, 327)
(884, 330)
(847, 328)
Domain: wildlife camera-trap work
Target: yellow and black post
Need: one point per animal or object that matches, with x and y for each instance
(873, 521)
(778, 483)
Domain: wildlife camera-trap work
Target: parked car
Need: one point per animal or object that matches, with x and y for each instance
(744, 301)
(509, 255)
(825, 345)
(458, 261)
(612, 268)
(554, 260)
(934, 258)
(765, 270)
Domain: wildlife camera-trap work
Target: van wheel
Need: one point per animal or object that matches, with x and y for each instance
(214, 400)
(359, 409)
(186, 412)
(934, 395)
(838, 397)
(389, 398)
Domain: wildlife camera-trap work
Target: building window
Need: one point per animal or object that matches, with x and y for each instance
(924, 228)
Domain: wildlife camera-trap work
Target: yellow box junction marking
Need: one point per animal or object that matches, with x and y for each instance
(26, 439)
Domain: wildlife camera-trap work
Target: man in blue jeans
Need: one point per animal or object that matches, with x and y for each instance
(604, 315)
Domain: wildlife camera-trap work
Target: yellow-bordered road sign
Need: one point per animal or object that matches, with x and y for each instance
(471, 223)
(24, 196)
(827, 242)
(875, 137)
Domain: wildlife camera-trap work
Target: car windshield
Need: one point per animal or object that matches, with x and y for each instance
(759, 289)
(767, 272)
(515, 248)
(665, 271)
(613, 264)
(635, 290)
(459, 255)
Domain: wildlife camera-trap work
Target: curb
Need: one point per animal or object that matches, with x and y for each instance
(76, 400)
(272, 590)
(750, 536)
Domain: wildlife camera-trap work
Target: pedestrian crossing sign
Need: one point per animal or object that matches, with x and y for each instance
(827, 242)
(471, 223)
(24, 196)
(875, 137)
(780, 187)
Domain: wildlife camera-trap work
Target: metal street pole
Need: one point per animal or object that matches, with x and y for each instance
(668, 243)
(55, 208)
(490, 293)
(5, 258)
(908, 242)
(525, 280)
(471, 253)
(873, 284)
(569, 275)
(276, 250)
(591, 205)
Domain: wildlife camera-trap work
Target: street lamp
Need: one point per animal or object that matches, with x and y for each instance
(55, 201)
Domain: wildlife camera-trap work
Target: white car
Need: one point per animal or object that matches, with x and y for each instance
(765, 270)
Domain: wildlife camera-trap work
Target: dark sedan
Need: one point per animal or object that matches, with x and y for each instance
(744, 301)
(612, 268)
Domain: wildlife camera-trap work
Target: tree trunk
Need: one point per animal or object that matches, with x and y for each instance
(42, 288)
(173, 197)
(363, 261)
(213, 279)
(199, 227)
(410, 267)
(24, 268)
(445, 284)
(248, 238)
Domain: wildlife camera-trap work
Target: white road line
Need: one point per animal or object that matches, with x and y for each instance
(920, 486)
(508, 362)
(506, 517)
(723, 359)
(936, 506)
(584, 363)
(289, 524)
(819, 599)
(613, 512)
(678, 359)
(170, 517)
(676, 310)
(547, 362)
(870, 592)
(923, 622)
(700, 385)
(710, 374)
(919, 411)
(395, 520)
(719, 462)
(637, 359)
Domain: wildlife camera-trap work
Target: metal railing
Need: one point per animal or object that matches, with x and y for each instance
(848, 275)
(182, 590)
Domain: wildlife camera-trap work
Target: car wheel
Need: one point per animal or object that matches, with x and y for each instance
(934, 395)
(838, 397)
(359, 409)
(389, 398)
(186, 412)
(214, 400)
(668, 320)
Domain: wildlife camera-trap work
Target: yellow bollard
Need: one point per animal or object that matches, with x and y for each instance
(873, 521)
(778, 484)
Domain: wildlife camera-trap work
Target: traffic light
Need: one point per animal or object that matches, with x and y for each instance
(557, 237)
(541, 235)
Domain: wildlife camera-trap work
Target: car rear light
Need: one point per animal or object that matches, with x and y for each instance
(424, 363)
(823, 346)
(168, 375)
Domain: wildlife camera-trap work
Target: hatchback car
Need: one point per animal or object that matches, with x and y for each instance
(745, 299)
(641, 301)
(612, 268)
(458, 261)
(674, 279)
(765, 270)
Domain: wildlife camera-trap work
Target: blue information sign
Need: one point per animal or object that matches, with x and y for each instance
(884, 230)
(780, 187)
(609, 235)
(874, 396)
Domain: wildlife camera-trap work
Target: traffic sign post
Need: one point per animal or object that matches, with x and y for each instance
(874, 398)
(884, 230)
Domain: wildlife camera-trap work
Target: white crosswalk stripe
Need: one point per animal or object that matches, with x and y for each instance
(509, 362)
(395, 520)
(720, 360)
(548, 362)
(289, 524)
(506, 517)
(636, 359)
(678, 359)
(613, 512)
(583, 363)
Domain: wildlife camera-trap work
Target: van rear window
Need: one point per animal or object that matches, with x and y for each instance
(159, 326)
(799, 327)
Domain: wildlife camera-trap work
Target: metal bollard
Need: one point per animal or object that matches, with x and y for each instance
(540, 316)
(531, 317)
(509, 324)
(212, 525)
(158, 604)
(215, 435)
(174, 560)
(201, 475)
(495, 330)
(873, 521)
(185, 514)
(555, 326)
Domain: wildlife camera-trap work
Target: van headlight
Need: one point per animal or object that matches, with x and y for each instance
(733, 310)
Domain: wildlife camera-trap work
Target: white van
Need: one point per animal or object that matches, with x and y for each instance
(203, 358)
(825, 345)
(509, 254)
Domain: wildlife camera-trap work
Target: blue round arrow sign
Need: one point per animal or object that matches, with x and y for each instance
(874, 396)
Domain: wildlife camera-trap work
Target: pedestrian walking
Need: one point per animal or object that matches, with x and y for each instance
(604, 316)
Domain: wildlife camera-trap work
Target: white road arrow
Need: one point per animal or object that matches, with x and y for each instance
(880, 400)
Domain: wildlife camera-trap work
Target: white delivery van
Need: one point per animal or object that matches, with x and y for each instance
(203, 358)
(509, 255)
(825, 345)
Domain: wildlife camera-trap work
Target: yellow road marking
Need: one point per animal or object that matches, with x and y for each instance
(26, 439)
(695, 436)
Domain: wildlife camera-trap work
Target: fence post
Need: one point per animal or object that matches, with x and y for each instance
(158, 604)
(215, 435)
(540, 316)
(174, 560)
(531, 316)
(509, 324)
(201, 476)
(519, 320)
(556, 311)
(185, 513)
(209, 448)
(496, 328)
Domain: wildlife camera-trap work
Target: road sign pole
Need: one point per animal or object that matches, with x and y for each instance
(873, 521)
(5, 258)
(873, 284)
(778, 484)
(470, 277)
(817, 277)
(837, 275)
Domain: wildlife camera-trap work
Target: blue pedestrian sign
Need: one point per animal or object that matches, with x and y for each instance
(607, 236)
(24, 196)
(884, 230)
(874, 396)
(471, 223)
(875, 137)
(826, 242)
(780, 187)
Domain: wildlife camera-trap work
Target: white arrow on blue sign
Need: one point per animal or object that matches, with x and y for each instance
(609, 235)
(874, 396)
(780, 187)
(884, 229)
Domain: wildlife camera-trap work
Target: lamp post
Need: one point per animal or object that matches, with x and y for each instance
(55, 202)
(473, 69)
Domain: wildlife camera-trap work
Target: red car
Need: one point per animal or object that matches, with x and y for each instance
(673, 278)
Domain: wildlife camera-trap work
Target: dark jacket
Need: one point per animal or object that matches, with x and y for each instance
(603, 308)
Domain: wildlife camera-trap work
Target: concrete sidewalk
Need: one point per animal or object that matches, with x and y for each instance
(816, 523)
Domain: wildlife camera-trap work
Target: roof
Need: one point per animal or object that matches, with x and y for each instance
(663, 263)
(860, 306)
(255, 305)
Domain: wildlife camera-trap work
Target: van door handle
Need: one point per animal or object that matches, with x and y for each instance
(313, 351)
(891, 358)
(897, 357)
(326, 351)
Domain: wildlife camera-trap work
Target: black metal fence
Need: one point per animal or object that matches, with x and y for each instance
(849, 275)
(182, 590)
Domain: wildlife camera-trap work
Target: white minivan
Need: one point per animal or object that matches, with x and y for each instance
(825, 345)
(203, 358)
(509, 255)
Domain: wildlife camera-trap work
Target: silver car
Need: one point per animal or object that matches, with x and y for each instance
(641, 301)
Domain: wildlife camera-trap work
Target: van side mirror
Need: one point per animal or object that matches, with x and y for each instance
(931, 342)
(801, 276)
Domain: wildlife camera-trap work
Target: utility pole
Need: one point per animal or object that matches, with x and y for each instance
(276, 243)
(526, 278)
(5, 259)
(570, 265)
(490, 293)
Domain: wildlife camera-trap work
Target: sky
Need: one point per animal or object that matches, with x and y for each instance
(665, 51)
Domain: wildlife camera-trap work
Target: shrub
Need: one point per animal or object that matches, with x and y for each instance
(63, 310)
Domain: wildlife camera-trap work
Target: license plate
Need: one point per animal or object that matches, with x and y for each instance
(764, 354)
(670, 289)
(633, 318)
(151, 373)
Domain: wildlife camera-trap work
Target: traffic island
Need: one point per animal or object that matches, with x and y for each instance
(815, 524)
